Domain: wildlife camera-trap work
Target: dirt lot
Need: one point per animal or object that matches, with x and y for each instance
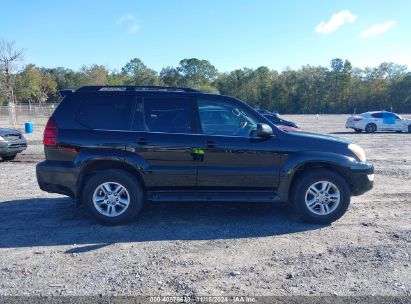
(49, 247)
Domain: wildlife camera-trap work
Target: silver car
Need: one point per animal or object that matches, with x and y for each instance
(371, 122)
(11, 143)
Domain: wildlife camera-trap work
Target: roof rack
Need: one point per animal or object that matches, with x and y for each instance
(134, 88)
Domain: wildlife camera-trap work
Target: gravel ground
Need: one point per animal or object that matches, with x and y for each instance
(50, 247)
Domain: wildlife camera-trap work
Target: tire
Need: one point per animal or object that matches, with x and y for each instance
(357, 130)
(9, 157)
(103, 201)
(302, 192)
(371, 128)
(409, 129)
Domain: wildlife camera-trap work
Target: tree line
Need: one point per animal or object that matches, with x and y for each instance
(339, 88)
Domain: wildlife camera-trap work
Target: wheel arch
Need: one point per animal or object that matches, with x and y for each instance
(312, 165)
(92, 167)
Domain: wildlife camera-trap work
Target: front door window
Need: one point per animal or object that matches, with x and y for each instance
(222, 118)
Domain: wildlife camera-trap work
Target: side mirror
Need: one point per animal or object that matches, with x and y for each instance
(264, 130)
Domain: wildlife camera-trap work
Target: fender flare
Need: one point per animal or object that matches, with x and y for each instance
(89, 157)
(299, 160)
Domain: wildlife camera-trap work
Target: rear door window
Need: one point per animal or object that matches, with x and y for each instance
(377, 115)
(163, 114)
(105, 112)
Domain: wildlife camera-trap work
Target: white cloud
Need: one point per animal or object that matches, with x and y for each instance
(377, 29)
(130, 20)
(133, 29)
(336, 21)
(124, 18)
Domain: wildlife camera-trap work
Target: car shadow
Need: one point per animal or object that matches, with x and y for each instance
(56, 221)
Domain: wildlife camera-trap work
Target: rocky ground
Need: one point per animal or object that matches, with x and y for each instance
(50, 247)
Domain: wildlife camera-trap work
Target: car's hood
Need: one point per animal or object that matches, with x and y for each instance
(9, 131)
(304, 134)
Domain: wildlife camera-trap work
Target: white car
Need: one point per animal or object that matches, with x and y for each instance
(371, 122)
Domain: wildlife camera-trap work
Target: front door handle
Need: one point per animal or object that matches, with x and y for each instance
(210, 144)
(142, 141)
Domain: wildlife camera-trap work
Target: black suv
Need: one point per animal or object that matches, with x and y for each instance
(114, 148)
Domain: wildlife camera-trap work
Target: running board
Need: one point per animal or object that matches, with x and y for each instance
(256, 197)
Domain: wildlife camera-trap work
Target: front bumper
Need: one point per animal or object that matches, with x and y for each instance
(362, 178)
(57, 177)
(8, 148)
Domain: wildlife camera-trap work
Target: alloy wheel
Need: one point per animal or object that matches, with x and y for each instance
(322, 197)
(111, 199)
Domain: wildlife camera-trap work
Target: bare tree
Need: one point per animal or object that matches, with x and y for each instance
(9, 55)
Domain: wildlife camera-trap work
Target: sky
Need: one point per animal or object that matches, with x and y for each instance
(231, 34)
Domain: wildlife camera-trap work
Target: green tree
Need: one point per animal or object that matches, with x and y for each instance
(196, 72)
(137, 73)
(65, 78)
(171, 76)
(32, 84)
(94, 75)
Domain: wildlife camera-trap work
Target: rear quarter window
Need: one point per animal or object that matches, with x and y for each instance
(105, 112)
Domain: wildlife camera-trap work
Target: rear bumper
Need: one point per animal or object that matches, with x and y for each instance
(352, 126)
(57, 177)
(362, 178)
(12, 147)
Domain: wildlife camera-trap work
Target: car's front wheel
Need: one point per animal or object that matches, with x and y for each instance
(113, 196)
(409, 129)
(321, 196)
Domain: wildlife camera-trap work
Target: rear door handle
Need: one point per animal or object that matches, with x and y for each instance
(142, 141)
(210, 144)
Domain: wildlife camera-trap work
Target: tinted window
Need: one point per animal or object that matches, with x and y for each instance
(171, 115)
(389, 115)
(223, 118)
(105, 112)
(377, 115)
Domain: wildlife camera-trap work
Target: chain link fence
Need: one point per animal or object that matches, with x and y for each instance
(17, 115)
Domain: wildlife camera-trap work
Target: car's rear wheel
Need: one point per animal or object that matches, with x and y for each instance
(113, 196)
(321, 196)
(371, 128)
(357, 130)
(9, 157)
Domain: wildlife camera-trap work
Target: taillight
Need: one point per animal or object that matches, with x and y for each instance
(357, 119)
(50, 133)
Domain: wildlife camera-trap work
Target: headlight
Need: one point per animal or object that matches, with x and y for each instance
(358, 151)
